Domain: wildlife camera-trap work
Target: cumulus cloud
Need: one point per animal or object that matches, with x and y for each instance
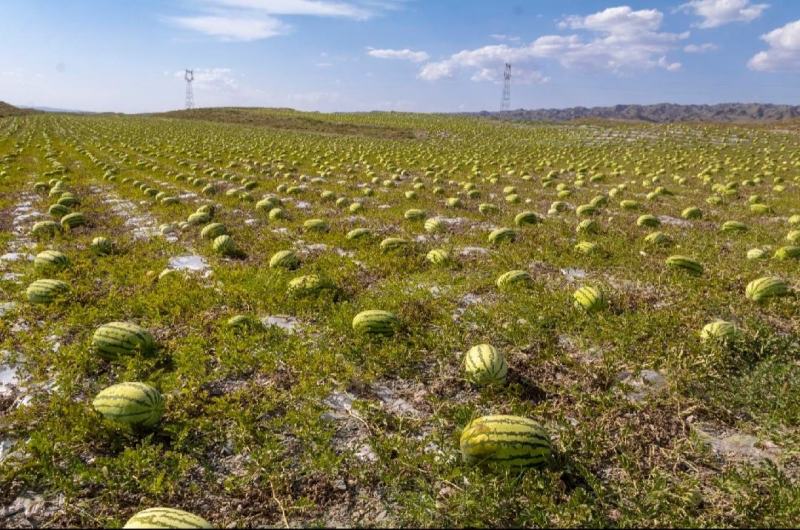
(717, 13)
(700, 48)
(249, 20)
(783, 53)
(618, 39)
(405, 55)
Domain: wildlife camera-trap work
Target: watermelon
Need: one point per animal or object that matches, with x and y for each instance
(73, 220)
(733, 226)
(719, 331)
(102, 246)
(648, 220)
(586, 247)
(316, 225)
(115, 339)
(514, 278)
(685, 263)
(308, 285)
(438, 256)
(46, 291)
(692, 212)
(414, 214)
(358, 233)
(527, 218)
(657, 239)
(45, 229)
(500, 235)
(485, 365)
(788, 252)
(392, 244)
(133, 403)
(375, 322)
(284, 259)
(224, 245)
(58, 210)
(590, 299)
(50, 261)
(213, 231)
(433, 225)
(506, 441)
(765, 288)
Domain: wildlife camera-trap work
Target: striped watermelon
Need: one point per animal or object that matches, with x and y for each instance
(50, 261)
(414, 214)
(58, 210)
(102, 246)
(308, 285)
(73, 220)
(122, 338)
(719, 331)
(587, 226)
(358, 233)
(692, 212)
(586, 247)
(45, 229)
(500, 235)
(316, 225)
(657, 239)
(46, 291)
(284, 259)
(733, 226)
(434, 224)
(438, 256)
(131, 403)
(648, 220)
(788, 252)
(375, 322)
(213, 231)
(506, 441)
(685, 263)
(224, 245)
(392, 244)
(590, 299)
(276, 213)
(487, 208)
(485, 365)
(766, 287)
(514, 278)
(198, 218)
(527, 218)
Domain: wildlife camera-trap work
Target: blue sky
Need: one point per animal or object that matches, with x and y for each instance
(405, 55)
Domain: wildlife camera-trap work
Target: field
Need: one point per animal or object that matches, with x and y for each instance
(290, 416)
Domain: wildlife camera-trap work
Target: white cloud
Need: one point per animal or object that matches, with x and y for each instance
(504, 38)
(619, 39)
(717, 13)
(783, 52)
(700, 48)
(249, 20)
(233, 28)
(405, 55)
(315, 8)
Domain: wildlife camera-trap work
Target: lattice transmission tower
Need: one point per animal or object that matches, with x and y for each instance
(506, 103)
(189, 77)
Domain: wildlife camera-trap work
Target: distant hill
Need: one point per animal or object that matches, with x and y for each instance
(276, 118)
(10, 110)
(659, 113)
